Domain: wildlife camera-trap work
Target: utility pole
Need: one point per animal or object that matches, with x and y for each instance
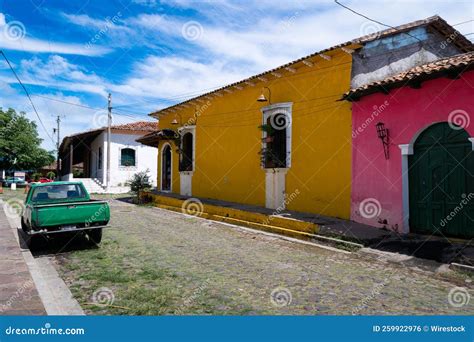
(109, 125)
(56, 130)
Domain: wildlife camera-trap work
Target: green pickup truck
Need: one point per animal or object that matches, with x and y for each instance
(63, 207)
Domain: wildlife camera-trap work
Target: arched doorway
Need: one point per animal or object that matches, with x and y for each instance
(166, 168)
(441, 181)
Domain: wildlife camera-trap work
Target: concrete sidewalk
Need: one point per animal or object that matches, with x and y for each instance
(18, 293)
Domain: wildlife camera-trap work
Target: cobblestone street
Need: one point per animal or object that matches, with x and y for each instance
(155, 261)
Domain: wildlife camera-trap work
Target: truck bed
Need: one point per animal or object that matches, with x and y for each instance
(78, 214)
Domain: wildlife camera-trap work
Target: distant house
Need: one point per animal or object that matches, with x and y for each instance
(83, 156)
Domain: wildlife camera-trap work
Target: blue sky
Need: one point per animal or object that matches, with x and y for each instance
(151, 54)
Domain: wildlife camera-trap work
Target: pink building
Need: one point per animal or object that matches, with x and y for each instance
(413, 142)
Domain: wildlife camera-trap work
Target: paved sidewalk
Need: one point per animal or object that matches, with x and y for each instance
(18, 293)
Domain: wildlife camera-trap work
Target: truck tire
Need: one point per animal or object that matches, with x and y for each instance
(23, 225)
(32, 242)
(95, 235)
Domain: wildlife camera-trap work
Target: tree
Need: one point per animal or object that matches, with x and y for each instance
(140, 181)
(20, 143)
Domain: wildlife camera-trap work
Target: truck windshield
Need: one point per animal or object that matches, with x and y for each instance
(57, 192)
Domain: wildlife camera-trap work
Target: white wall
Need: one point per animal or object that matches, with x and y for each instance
(145, 157)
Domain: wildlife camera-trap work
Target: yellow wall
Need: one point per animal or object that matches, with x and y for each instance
(228, 140)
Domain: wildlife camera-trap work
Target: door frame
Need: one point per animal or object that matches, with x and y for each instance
(407, 150)
(171, 167)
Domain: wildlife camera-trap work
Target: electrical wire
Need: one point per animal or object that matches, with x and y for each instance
(28, 95)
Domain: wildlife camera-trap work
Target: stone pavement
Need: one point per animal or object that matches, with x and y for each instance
(18, 293)
(153, 262)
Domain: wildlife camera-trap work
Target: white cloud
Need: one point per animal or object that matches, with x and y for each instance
(164, 77)
(14, 36)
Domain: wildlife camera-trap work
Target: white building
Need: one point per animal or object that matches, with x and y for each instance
(83, 157)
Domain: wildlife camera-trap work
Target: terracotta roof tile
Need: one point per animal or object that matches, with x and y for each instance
(148, 126)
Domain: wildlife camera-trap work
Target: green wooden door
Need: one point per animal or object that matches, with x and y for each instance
(441, 180)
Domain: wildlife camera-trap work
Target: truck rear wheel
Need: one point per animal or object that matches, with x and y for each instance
(95, 235)
(32, 241)
(23, 225)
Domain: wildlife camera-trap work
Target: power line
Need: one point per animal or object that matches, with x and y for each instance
(377, 21)
(27, 94)
(83, 106)
(463, 22)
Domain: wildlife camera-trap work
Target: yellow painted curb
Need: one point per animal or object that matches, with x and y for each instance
(282, 225)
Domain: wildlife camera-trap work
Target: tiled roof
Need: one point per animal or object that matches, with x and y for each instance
(458, 63)
(137, 126)
(436, 22)
(140, 126)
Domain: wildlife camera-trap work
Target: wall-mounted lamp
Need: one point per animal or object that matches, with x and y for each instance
(175, 121)
(262, 97)
(382, 133)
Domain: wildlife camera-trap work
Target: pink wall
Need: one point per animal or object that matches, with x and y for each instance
(405, 112)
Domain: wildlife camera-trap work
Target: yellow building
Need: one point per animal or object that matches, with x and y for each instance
(280, 139)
